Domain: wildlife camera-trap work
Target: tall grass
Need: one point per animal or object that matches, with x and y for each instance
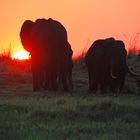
(13, 71)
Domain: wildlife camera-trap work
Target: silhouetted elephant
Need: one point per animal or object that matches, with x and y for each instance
(106, 63)
(46, 40)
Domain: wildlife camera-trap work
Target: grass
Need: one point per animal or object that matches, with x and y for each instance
(70, 117)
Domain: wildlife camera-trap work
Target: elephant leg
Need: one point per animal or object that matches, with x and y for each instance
(35, 66)
(47, 79)
(114, 85)
(53, 81)
(92, 82)
(93, 85)
(64, 81)
(36, 86)
(103, 88)
(121, 81)
(42, 79)
(67, 81)
(104, 84)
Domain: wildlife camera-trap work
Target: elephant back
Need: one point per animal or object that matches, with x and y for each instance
(59, 31)
(48, 33)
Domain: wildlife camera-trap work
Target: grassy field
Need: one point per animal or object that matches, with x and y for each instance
(43, 115)
(66, 117)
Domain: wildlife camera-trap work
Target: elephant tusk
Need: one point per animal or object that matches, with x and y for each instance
(132, 72)
(113, 76)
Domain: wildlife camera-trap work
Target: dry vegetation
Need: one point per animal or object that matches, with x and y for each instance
(16, 77)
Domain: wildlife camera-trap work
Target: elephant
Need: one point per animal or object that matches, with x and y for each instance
(106, 64)
(46, 40)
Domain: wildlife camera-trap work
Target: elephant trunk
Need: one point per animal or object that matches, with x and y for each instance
(130, 70)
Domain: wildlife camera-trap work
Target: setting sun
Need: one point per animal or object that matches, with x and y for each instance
(20, 55)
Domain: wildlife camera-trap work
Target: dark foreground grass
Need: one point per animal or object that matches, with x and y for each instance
(70, 118)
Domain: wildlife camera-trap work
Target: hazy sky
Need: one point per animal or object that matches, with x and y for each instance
(85, 20)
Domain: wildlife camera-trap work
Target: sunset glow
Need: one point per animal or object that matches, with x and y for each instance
(20, 55)
(85, 21)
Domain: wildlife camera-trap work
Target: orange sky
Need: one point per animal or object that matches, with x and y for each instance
(85, 20)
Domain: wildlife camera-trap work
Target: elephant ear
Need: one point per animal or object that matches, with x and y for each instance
(25, 32)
